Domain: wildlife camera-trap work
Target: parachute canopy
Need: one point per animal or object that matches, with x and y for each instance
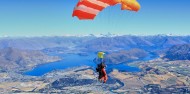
(88, 9)
(101, 55)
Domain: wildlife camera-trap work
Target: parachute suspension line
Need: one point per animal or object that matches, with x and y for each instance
(109, 15)
(114, 22)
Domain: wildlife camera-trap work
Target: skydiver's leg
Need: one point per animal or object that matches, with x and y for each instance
(101, 77)
(105, 78)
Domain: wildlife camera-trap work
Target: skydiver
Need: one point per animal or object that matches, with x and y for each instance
(102, 72)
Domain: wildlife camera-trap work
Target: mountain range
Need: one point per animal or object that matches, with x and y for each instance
(93, 43)
(120, 48)
(16, 59)
(178, 52)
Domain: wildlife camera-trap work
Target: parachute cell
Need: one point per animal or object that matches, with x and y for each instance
(88, 9)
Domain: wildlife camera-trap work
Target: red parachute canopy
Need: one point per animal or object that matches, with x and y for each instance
(88, 9)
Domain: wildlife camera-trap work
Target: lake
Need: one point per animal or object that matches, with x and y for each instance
(75, 60)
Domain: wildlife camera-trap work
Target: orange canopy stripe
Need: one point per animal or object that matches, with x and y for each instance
(88, 9)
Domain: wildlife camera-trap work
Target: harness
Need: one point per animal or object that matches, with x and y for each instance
(99, 70)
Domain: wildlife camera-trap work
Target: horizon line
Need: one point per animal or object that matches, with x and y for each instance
(93, 35)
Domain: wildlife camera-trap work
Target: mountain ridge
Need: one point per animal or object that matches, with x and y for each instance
(16, 59)
(178, 52)
(93, 43)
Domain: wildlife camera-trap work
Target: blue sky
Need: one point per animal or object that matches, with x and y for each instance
(54, 17)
